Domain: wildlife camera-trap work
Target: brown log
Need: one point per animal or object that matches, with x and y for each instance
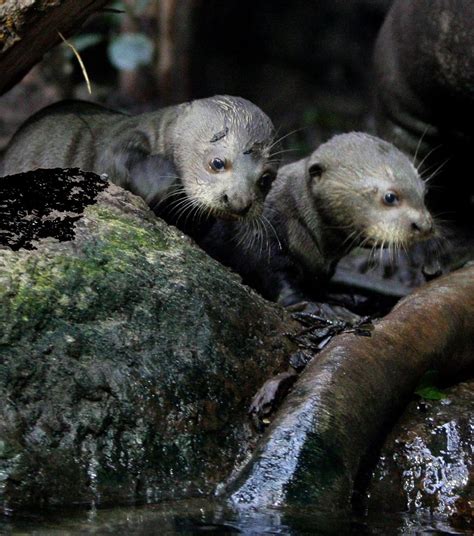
(351, 393)
(29, 28)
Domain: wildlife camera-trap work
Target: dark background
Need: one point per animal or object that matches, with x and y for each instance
(306, 63)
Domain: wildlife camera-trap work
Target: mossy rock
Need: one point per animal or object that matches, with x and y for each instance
(128, 357)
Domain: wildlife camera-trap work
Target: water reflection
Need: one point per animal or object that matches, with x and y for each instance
(198, 517)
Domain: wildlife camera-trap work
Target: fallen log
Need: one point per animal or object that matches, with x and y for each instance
(349, 395)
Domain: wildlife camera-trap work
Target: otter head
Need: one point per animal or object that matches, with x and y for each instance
(370, 191)
(222, 150)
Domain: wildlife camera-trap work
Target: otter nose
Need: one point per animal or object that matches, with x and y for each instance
(422, 226)
(237, 206)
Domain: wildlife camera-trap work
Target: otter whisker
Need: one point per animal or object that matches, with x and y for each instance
(172, 193)
(180, 203)
(419, 145)
(281, 138)
(259, 237)
(436, 171)
(370, 259)
(255, 235)
(352, 239)
(193, 212)
(265, 238)
(174, 210)
(243, 234)
(283, 151)
(418, 167)
(381, 253)
(200, 213)
(188, 204)
(183, 210)
(404, 246)
(392, 251)
(264, 218)
(268, 248)
(193, 215)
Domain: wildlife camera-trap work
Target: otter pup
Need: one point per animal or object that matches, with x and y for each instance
(191, 162)
(354, 190)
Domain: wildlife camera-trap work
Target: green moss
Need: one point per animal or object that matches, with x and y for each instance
(77, 287)
(126, 233)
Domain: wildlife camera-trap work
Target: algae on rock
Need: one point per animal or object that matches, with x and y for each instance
(128, 359)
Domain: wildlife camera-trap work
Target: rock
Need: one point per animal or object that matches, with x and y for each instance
(128, 357)
(426, 465)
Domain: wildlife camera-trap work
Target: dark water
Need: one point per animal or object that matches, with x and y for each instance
(206, 518)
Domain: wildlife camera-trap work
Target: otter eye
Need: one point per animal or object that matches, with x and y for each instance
(316, 170)
(216, 164)
(265, 181)
(390, 199)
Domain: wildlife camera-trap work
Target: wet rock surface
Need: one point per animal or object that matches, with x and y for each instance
(128, 360)
(349, 395)
(427, 463)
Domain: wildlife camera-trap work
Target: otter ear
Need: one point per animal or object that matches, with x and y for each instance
(124, 154)
(315, 170)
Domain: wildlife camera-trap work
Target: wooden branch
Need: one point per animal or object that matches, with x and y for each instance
(29, 28)
(352, 391)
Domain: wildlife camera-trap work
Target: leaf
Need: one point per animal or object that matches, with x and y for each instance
(427, 388)
(130, 50)
(430, 393)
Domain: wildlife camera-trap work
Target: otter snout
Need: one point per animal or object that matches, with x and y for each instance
(240, 206)
(422, 226)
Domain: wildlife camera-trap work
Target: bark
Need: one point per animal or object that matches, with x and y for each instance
(351, 393)
(29, 28)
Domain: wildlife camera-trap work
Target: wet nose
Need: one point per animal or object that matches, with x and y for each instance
(240, 207)
(423, 226)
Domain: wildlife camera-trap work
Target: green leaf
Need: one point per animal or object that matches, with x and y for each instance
(427, 388)
(130, 50)
(430, 393)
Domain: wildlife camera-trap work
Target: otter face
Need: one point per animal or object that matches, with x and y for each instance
(370, 191)
(394, 211)
(233, 182)
(228, 170)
